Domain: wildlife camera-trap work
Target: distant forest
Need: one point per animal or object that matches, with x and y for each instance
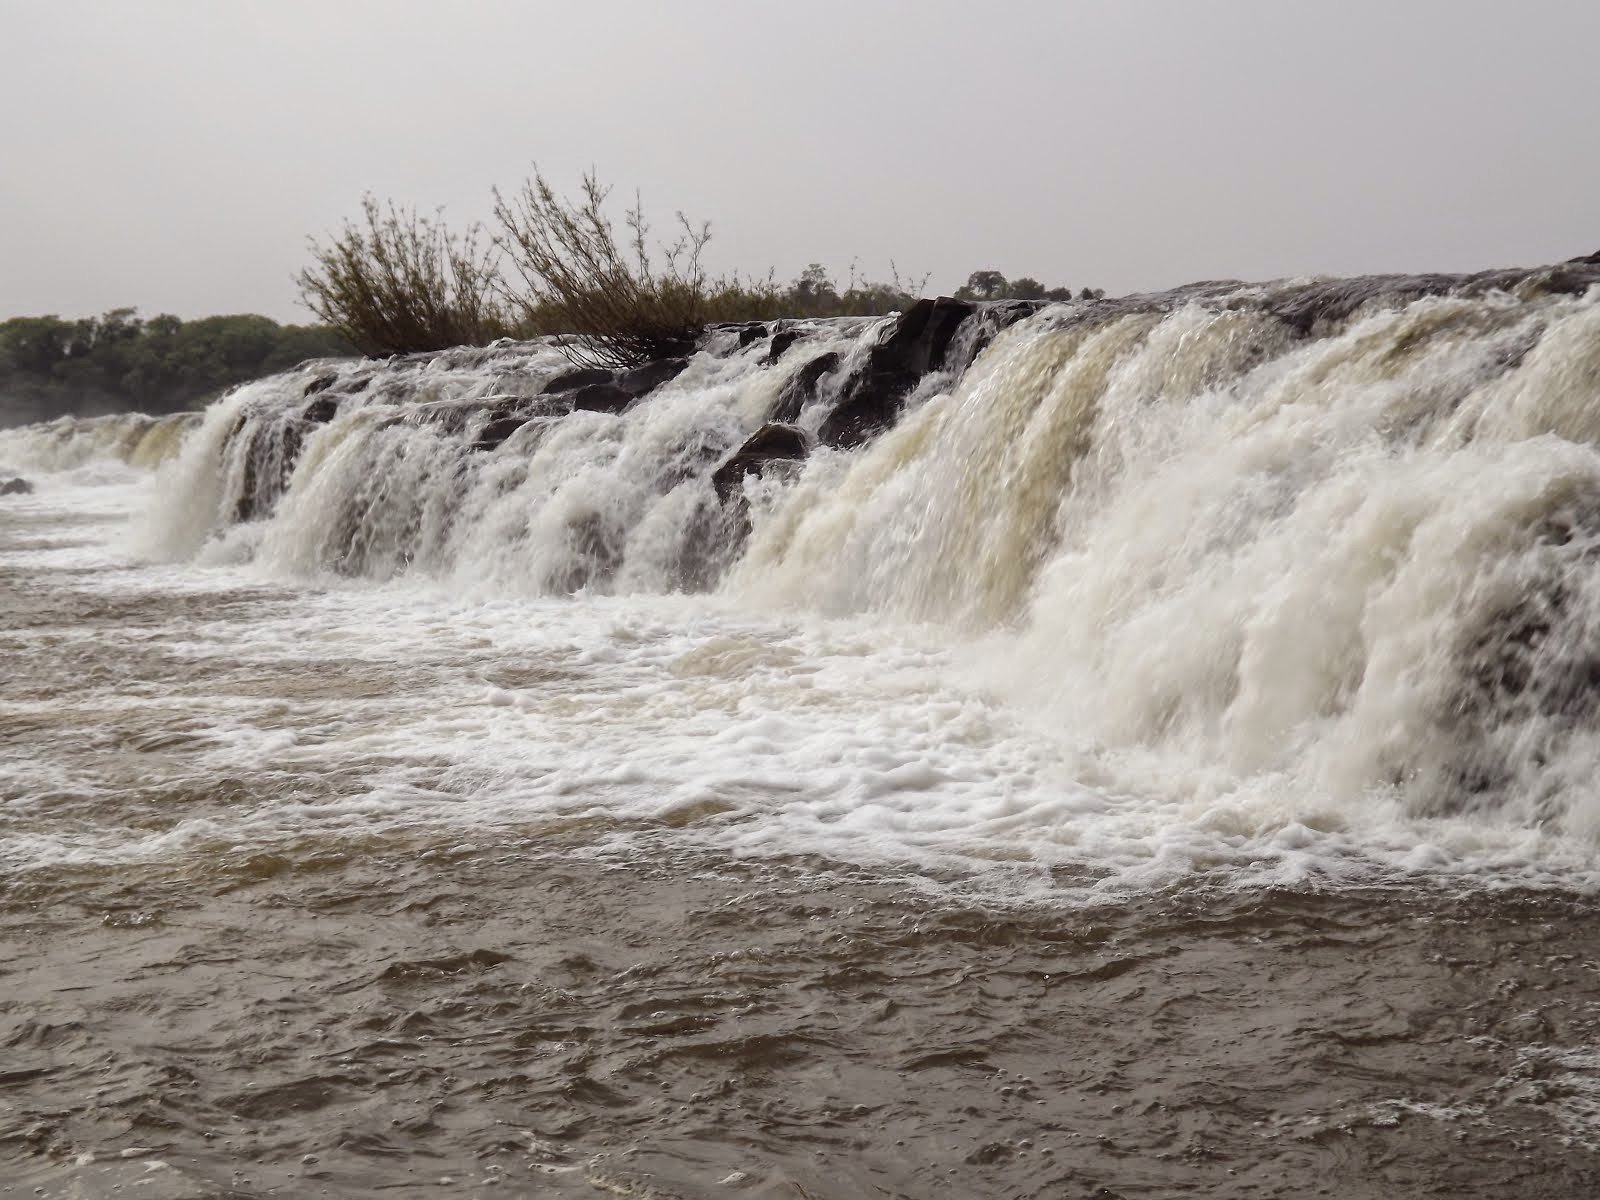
(51, 367)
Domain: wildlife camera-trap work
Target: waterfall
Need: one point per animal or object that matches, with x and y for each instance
(1339, 535)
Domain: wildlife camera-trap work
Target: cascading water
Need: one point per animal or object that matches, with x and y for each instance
(61, 445)
(1234, 551)
(1364, 560)
(1123, 747)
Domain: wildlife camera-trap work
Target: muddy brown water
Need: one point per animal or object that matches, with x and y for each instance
(504, 1019)
(557, 1011)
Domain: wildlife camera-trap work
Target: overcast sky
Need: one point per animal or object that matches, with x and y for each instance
(175, 155)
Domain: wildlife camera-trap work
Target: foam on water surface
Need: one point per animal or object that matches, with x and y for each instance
(385, 711)
(1178, 592)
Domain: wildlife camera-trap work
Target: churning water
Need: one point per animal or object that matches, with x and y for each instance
(1163, 760)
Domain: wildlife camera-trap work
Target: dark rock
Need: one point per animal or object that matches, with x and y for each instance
(1569, 279)
(582, 377)
(781, 341)
(599, 390)
(917, 343)
(501, 416)
(498, 430)
(16, 487)
(770, 443)
(448, 416)
(321, 384)
(321, 410)
(1305, 306)
(751, 333)
(272, 447)
(994, 318)
(645, 379)
(802, 386)
(714, 535)
(1334, 300)
(602, 397)
(1592, 259)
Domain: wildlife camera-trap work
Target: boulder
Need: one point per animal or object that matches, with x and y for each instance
(918, 342)
(321, 410)
(781, 341)
(999, 316)
(647, 378)
(801, 389)
(597, 390)
(498, 429)
(16, 487)
(582, 377)
(320, 384)
(770, 443)
(602, 397)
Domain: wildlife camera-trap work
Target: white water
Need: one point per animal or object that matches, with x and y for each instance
(1161, 594)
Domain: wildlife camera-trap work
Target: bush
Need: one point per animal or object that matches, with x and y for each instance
(403, 283)
(612, 296)
(626, 301)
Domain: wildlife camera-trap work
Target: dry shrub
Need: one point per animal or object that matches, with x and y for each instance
(404, 283)
(400, 282)
(626, 301)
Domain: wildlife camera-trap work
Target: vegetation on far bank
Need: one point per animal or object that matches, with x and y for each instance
(395, 281)
(118, 362)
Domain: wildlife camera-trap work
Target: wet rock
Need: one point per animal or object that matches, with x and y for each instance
(645, 379)
(781, 341)
(770, 443)
(749, 334)
(602, 397)
(995, 318)
(321, 410)
(272, 448)
(320, 384)
(802, 386)
(917, 343)
(582, 377)
(1526, 677)
(1329, 301)
(614, 391)
(1335, 300)
(496, 431)
(918, 340)
(714, 535)
(502, 417)
(16, 487)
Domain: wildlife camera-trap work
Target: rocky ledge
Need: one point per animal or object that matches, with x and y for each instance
(864, 387)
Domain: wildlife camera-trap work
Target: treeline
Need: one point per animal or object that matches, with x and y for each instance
(396, 281)
(117, 362)
(991, 285)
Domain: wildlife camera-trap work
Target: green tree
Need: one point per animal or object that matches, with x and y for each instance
(983, 285)
(113, 362)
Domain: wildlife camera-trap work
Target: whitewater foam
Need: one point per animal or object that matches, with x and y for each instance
(1177, 590)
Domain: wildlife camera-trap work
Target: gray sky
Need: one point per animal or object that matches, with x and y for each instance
(175, 155)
